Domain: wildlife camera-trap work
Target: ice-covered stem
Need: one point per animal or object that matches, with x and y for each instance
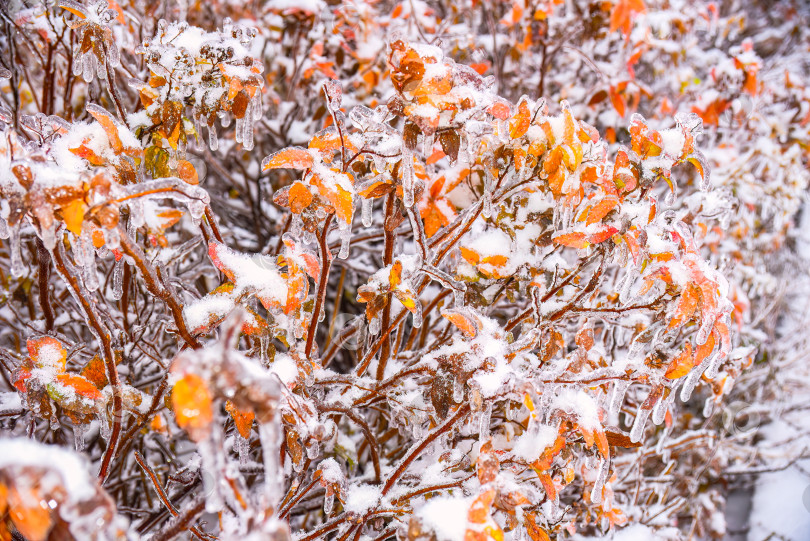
(156, 287)
(182, 522)
(103, 336)
(320, 294)
(285, 510)
(388, 257)
(44, 276)
(167, 503)
(113, 89)
(417, 449)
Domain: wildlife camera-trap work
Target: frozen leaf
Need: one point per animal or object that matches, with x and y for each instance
(242, 419)
(192, 404)
(682, 364)
(289, 158)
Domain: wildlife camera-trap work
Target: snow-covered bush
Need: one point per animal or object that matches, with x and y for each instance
(414, 270)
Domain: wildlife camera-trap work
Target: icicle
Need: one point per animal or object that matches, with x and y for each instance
(617, 397)
(374, 326)
(428, 141)
(4, 231)
(508, 411)
(213, 142)
(88, 262)
(197, 210)
(596, 492)
(486, 211)
(345, 232)
(693, 378)
(638, 425)
(87, 68)
(17, 267)
(660, 409)
(118, 280)
(367, 207)
(79, 431)
(708, 406)
(328, 504)
(417, 314)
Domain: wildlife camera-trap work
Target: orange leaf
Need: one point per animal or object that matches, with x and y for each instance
(601, 209)
(288, 158)
(299, 197)
(682, 364)
(82, 386)
(495, 260)
(519, 124)
(95, 372)
(242, 419)
(703, 350)
(105, 119)
(395, 276)
(623, 13)
(192, 405)
(499, 109)
(30, 514)
(470, 255)
(344, 205)
(686, 307)
(573, 240)
(604, 234)
(186, 171)
(464, 322)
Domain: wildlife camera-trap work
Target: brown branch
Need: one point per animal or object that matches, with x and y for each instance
(44, 275)
(320, 294)
(414, 452)
(162, 494)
